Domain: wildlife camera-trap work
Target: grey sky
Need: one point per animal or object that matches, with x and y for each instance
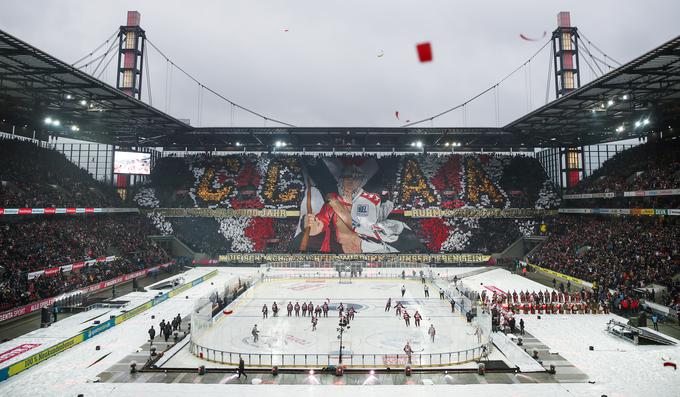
(325, 70)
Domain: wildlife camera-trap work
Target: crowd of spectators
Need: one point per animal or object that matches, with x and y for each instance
(650, 166)
(31, 176)
(17, 290)
(618, 253)
(44, 242)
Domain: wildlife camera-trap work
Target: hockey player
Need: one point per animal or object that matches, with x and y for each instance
(304, 309)
(388, 305)
(265, 311)
(408, 350)
(275, 309)
(427, 290)
(398, 309)
(441, 293)
(325, 309)
(417, 317)
(289, 308)
(317, 311)
(310, 308)
(297, 309)
(256, 333)
(478, 332)
(403, 291)
(341, 308)
(314, 322)
(407, 318)
(431, 331)
(350, 313)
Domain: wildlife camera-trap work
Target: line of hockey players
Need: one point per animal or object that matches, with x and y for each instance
(583, 302)
(307, 310)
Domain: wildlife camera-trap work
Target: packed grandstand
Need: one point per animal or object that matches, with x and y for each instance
(622, 254)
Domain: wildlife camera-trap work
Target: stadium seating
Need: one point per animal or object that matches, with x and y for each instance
(651, 166)
(46, 242)
(619, 253)
(31, 176)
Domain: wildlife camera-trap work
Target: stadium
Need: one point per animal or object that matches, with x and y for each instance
(215, 199)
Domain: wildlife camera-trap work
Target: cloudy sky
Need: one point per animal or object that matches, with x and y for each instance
(317, 63)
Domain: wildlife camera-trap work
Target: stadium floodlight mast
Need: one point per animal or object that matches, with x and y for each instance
(341, 330)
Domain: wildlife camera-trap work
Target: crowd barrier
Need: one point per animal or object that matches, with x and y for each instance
(635, 193)
(349, 360)
(67, 268)
(67, 211)
(482, 319)
(27, 363)
(622, 211)
(553, 273)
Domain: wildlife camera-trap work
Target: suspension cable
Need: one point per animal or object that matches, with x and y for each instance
(213, 91)
(96, 49)
(481, 93)
(580, 34)
(148, 76)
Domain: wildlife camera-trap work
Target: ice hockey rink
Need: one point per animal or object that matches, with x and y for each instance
(374, 331)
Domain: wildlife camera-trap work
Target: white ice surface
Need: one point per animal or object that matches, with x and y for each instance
(373, 330)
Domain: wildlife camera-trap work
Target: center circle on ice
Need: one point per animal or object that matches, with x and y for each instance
(357, 306)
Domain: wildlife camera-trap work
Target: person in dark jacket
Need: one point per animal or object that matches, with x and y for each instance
(152, 334)
(521, 326)
(241, 368)
(167, 331)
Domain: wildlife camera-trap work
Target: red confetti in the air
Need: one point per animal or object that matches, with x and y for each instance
(424, 52)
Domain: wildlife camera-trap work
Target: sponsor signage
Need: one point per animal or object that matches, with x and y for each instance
(416, 258)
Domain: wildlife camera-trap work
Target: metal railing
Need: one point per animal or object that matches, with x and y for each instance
(350, 360)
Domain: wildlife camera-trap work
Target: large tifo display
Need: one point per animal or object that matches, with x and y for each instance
(132, 163)
(346, 209)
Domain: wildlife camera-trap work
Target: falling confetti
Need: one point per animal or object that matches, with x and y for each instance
(424, 52)
(527, 38)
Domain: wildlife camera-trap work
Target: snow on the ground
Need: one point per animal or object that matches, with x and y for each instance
(515, 354)
(59, 375)
(617, 367)
(503, 280)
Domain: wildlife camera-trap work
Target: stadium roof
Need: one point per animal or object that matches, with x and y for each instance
(612, 107)
(35, 85)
